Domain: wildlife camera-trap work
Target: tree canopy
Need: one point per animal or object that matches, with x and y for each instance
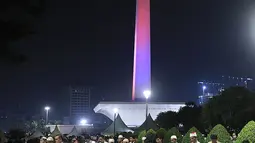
(247, 133)
(221, 132)
(232, 108)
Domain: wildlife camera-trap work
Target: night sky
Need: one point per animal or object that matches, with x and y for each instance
(91, 43)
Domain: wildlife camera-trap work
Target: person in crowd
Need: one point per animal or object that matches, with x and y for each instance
(214, 139)
(193, 137)
(43, 140)
(143, 139)
(173, 139)
(132, 139)
(50, 140)
(158, 140)
(75, 140)
(120, 139)
(58, 139)
(125, 140)
(111, 140)
(100, 140)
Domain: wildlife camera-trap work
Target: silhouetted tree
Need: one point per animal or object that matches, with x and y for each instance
(16, 21)
(190, 116)
(167, 119)
(233, 108)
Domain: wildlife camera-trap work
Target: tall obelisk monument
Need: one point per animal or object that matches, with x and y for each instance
(142, 50)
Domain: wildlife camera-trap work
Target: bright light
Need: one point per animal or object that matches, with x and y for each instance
(83, 122)
(147, 93)
(47, 108)
(115, 110)
(204, 87)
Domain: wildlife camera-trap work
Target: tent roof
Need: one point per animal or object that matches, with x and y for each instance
(36, 134)
(120, 127)
(55, 132)
(74, 132)
(150, 124)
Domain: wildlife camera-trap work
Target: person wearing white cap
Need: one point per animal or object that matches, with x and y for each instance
(50, 140)
(43, 140)
(125, 140)
(193, 137)
(111, 140)
(173, 139)
(120, 138)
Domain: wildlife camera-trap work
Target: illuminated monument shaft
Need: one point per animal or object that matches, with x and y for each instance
(142, 61)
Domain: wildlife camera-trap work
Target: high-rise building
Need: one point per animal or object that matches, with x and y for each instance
(79, 103)
(142, 52)
(209, 89)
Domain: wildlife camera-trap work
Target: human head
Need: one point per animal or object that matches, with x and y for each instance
(120, 138)
(193, 137)
(214, 138)
(43, 140)
(111, 140)
(158, 140)
(125, 140)
(58, 139)
(50, 140)
(173, 139)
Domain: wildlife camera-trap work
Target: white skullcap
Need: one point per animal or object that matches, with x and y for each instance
(193, 134)
(125, 140)
(120, 136)
(143, 138)
(173, 137)
(50, 139)
(93, 142)
(111, 141)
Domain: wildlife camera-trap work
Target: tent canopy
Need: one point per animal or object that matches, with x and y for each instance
(74, 132)
(36, 134)
(149, 123)
(120, 127)
(55, 132)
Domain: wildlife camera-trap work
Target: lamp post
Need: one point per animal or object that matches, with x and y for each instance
(204, 88)
(147, 94)
(47, 108)
(115, 110)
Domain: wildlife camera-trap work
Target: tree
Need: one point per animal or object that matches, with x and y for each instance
(150, 136)
(141, 135)
(16, 134)
(16, 22)
(33, 125)
(190, 115)
(247, 133)
(233, 115)
(173, 131)
(167, 119)
(161, 133)
(222, 134)
(186, 138)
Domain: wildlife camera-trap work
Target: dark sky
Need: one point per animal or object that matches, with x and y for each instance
(90, 42)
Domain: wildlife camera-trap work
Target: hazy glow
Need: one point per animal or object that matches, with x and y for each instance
(115, 110)
(47, 108)
(83, 122)
(142, 61)
(204, 87)
(147, 93)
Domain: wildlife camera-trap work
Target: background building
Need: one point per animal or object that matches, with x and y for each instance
(209, 89)
(79, 103)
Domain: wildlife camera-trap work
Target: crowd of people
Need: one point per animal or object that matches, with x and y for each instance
(122, 139)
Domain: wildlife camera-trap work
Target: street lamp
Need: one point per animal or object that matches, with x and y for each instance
(47, 108)
(147, 94)
(115, 110)
(83, 122)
